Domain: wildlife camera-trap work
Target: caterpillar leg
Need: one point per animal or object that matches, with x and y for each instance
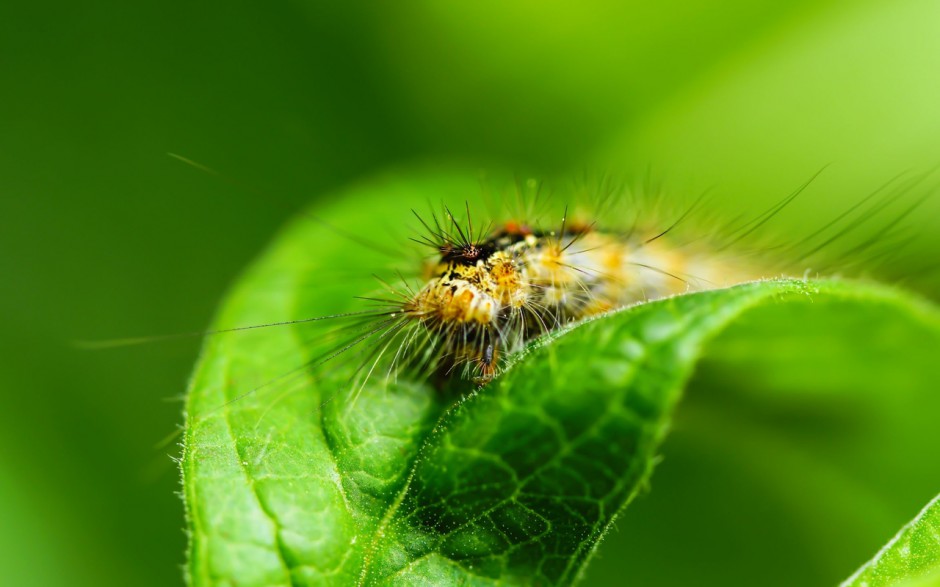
(486, 364)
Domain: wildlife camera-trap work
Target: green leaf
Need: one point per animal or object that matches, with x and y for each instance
(910, 559)
(309, 481)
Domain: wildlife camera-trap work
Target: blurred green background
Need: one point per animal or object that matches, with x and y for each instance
(102, 235)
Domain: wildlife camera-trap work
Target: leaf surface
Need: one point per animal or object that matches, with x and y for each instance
(294, 477)
(910, 559)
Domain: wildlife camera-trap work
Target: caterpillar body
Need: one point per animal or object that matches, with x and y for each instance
(484, 298)
(483, 295)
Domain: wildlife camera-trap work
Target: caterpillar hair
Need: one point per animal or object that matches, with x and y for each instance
(492, 282)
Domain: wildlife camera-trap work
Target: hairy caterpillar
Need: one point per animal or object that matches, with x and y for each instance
(489, 288)
(484, 294)
(488, 294)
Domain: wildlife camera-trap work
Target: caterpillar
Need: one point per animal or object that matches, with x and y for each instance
(484, 293)
(487, 295)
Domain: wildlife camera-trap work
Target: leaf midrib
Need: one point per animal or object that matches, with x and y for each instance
(392, 509)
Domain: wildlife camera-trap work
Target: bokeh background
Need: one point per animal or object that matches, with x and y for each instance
(103, 235)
